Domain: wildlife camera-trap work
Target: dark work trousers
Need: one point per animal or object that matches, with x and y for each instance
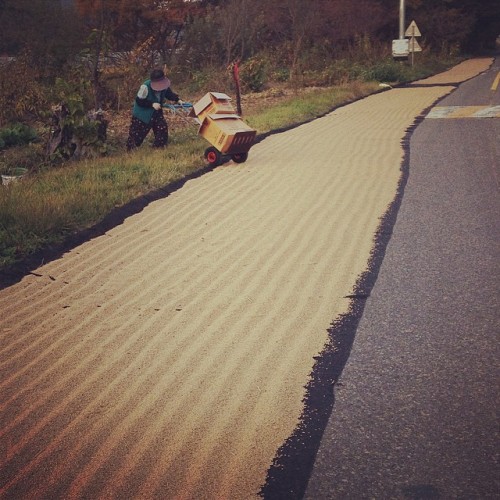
(139, 130)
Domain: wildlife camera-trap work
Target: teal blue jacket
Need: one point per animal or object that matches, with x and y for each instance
(143, 108)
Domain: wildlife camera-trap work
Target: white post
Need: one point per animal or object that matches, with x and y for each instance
(401, 19)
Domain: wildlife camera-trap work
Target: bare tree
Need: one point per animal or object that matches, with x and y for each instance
(294, 22)
(236, 20)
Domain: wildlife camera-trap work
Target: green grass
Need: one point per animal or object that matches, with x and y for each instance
(307, 106)
(47, 207)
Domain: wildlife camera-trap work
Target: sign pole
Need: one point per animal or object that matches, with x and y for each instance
(412, 45)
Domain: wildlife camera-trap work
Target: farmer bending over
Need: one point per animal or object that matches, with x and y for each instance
(148, 114)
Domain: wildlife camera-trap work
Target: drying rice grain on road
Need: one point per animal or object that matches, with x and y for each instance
(168, 357)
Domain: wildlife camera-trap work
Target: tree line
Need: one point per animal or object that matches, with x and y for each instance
(206, 32)
(52, 39)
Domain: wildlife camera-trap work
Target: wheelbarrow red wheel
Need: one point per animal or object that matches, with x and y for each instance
(240, 157)
(213, 156)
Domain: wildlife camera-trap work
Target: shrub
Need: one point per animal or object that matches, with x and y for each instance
(77, 132)
(280, 74)
(254, 74)
(344, 70)
(16, 134)
(386, 71)
(20, 86)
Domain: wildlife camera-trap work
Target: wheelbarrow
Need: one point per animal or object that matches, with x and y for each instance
(230, 137)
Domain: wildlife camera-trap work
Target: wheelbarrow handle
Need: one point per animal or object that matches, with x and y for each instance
(175, 107)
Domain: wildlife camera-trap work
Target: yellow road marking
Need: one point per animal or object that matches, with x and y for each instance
(496, 82)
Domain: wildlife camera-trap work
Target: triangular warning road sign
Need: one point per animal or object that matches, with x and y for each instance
(413, 30)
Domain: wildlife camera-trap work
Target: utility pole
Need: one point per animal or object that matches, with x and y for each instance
(401, 19)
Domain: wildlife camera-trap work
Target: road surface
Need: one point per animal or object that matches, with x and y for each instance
(416, 408)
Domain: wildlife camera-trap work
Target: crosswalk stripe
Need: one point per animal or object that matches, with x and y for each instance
(464, 112)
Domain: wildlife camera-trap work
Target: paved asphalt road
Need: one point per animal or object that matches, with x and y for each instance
(415, 412)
